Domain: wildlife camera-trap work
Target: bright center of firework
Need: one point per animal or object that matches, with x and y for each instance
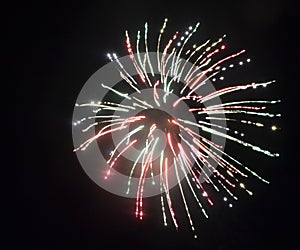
(157, 127)
(155, 119)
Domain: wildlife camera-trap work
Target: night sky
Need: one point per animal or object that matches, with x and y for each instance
(55, 47)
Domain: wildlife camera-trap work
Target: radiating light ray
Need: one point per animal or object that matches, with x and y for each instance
(139, 105)
(213, 125)
(144, 165)
(107, 104)
(189, 58)
(203, 73)
(241, 102)
(161, 185)
(197, 181)
(202, 83)
(130, 81)
(167, 190)
(140, 189)
(143, 102)
(194, 193)
(103, 116)
(143, 64)
(199, 157)
(164, 61)
(188, 97)
(143, 177)
(117, 157)
(215, 157)
(191, 72)
(155, 93)
(125, 138)
(227, 190)
(203, 171)
(227, 90)
(257, 124)
(124, 74)
(147, 52)
(186, 40)
(125, 95)
(103, 132)
(158, 43)
(85, 144)
(237, 112)
(221, 161)
(135, 64)
(183, 198)
(215, 132)
(133, 168)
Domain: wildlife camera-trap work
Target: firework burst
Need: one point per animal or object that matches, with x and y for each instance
(166, 122)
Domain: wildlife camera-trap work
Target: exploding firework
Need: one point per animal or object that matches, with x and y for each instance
(165, 123)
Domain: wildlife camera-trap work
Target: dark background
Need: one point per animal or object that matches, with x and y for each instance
(54, 47)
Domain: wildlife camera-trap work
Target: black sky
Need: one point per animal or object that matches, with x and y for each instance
(55, 47)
